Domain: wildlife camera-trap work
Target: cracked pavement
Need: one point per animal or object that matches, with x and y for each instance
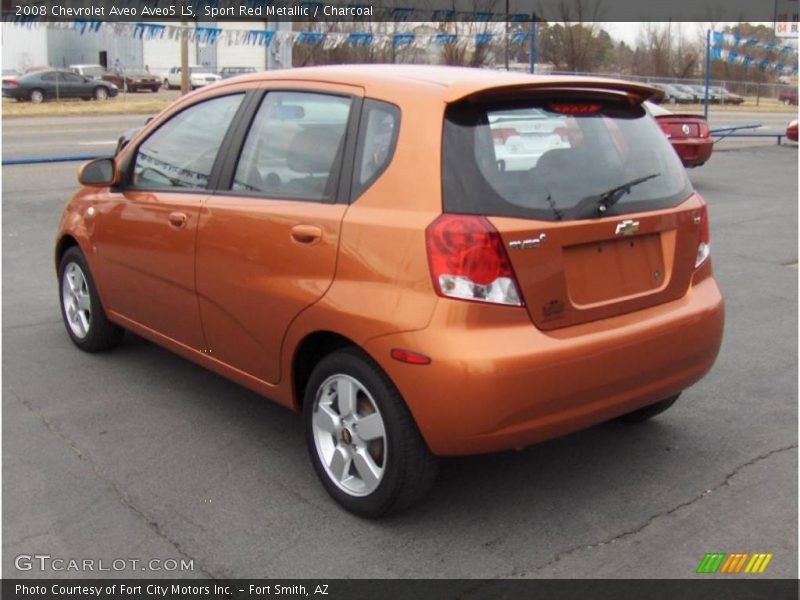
(139, 454)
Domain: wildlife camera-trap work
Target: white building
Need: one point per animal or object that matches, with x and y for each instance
(25, 47)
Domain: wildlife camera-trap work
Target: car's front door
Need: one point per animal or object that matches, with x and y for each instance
(266, 248)
(145, 233)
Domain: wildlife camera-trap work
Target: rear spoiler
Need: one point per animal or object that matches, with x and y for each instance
(637, 92)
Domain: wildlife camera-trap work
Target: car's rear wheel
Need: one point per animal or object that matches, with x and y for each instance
(648, 412)
(36, 96)
(362, 440)
(83, 314)
(100, 93)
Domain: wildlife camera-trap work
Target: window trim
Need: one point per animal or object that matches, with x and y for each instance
(359, 189)
(126, 167)
(239, 138)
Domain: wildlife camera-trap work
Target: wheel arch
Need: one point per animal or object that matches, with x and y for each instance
(313, 348)
(64, 243)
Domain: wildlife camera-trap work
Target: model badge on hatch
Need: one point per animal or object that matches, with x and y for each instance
(627, 227)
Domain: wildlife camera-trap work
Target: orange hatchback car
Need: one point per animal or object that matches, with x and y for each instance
(425, 261)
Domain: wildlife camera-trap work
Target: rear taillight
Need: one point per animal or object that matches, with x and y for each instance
(468, 261)
(666, 129)
(501, 135)
(704, 247)
(11, 83)
(704, 132)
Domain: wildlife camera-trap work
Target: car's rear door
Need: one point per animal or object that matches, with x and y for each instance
(267, 244)
(144, 234)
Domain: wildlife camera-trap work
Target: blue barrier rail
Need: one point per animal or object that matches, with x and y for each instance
(37, 160)
(734, 131)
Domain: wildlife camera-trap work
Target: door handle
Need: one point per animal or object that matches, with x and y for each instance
(177, 219)
(306, 234)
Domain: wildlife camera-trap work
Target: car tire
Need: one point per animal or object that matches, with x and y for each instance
(81, 309)
(648, 412)
(100, 93)
(36, 96)
(390, 467)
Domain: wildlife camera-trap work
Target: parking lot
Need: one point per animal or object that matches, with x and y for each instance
(139, 454)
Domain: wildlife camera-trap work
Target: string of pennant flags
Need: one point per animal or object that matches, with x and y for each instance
(264, 37)
(730, 39)
(734, 57)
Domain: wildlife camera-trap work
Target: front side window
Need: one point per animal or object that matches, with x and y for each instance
(294, 147)
(181, 153)
(555, 159)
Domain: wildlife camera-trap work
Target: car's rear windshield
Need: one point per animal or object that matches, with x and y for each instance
(555, 159)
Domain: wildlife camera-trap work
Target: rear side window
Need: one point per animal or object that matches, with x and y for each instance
(294, 146)
(380, 123)
(181, 153)
(553, 160)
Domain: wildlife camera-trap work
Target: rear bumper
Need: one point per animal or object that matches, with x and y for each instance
(497, 382)
(693, 152)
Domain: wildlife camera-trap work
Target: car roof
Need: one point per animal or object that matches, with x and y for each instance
(448, 83)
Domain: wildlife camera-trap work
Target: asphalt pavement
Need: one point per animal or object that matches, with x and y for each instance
(139, 454)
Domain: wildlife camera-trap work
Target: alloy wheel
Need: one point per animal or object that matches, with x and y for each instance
(349, 435)
(76, 300)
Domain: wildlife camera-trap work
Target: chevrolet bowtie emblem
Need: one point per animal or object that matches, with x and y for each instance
(627, 227)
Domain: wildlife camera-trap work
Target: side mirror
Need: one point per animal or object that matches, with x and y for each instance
(100, 172)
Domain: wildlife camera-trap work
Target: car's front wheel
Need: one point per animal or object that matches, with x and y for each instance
(36, 96)
(83, 314)
(648, 412)
(100, 93)
(362, 440)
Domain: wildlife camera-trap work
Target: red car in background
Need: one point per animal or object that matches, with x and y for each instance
(688, 134)
(791, 131)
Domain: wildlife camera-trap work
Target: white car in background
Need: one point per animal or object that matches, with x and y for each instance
(520, 137)
(198, 77)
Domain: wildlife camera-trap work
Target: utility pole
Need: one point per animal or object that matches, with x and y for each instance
(533, 44)
(708, 71)
(507, 27)
(185, 76)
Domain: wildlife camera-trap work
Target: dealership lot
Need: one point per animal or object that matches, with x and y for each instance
(138, 454)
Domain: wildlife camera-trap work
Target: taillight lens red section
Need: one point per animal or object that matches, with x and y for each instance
(468, 261)
(11, 83)
(704, 245)
(704, 131)
(665, 127)
(501, 135)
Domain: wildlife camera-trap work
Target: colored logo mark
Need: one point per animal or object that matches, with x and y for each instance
(734, 563)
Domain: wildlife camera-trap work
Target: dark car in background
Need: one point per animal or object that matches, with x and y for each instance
(133, 79)
(59, 85)
(726, 96)
(228, 72)
(674, 95)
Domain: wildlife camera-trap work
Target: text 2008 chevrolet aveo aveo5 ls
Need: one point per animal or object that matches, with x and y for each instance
(426, 261)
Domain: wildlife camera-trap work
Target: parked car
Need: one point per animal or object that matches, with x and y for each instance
(791, 131)
(788, 96)
(674, 95)
(39, 86)
(228, 72)
(696, 94)
(90, 71)
(198, 77)
(728, 97)
(133, 79)
(342, 240)
(688, 134)
(713, 97)
(10, 74)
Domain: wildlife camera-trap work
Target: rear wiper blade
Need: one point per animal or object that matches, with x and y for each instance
(609, 198)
